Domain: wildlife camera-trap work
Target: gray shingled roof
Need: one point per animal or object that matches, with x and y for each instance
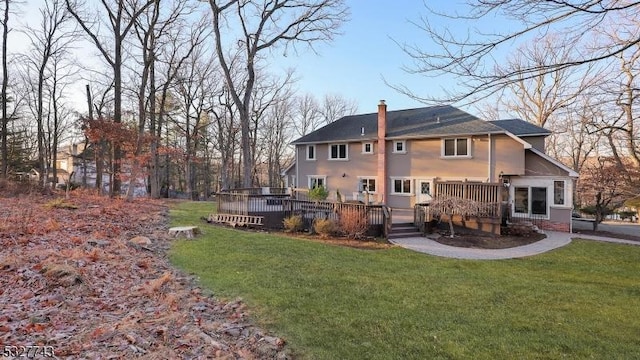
(435, 121)
(521, 127)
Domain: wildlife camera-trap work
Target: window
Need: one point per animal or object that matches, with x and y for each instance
(311, 152)
(521, 200)
(317, 181)
(558, 192)
(402, 186)
(539, 201)
(456, 147)
(338, 152)
(400, 146)
(368, 184)
(530, 200)
(367, 148)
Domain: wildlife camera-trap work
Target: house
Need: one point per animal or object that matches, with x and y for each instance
(397, 156)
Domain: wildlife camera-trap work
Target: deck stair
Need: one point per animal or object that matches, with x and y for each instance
(404, 230)
(236, 220)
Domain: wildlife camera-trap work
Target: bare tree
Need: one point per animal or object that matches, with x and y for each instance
(173, 52)
(50, 42)
(336, 106)
(573, 140)
(538, 98)
(4, 94)
(307, 117)
(273, 125)
(262, 26)
(122, 15)
(473, 56)
(601, 188)
(195, 81)
(226, 130)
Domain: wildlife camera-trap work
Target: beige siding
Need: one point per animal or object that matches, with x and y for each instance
(358, 164)
(422, 160)
(537, 166)
(536, 141)
(509, 156)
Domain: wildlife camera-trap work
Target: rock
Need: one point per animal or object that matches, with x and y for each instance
(140, 240)
(187, 231)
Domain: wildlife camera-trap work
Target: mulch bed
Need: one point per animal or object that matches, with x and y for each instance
(476, 239)
(89, 277)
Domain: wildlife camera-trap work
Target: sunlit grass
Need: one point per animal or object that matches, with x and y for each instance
(331, 302)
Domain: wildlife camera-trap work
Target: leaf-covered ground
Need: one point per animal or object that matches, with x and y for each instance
(89, 277)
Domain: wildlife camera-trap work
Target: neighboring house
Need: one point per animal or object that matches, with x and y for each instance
(396, 156)
(85, 172)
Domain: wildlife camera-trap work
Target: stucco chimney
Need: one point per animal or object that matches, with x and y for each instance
(382, 153)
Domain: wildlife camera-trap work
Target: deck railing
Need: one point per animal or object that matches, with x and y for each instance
(485, 198)
(481, 192)
(421, 216)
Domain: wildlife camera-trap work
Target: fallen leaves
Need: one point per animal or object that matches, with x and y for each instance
(90, 277)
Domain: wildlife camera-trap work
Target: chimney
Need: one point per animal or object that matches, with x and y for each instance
(382, 152)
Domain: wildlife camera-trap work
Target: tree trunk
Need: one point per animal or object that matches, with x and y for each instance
(3, 96)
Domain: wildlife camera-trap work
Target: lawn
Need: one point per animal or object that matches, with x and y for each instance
(331, 302)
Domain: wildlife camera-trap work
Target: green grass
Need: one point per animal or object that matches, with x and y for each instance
(578, 302)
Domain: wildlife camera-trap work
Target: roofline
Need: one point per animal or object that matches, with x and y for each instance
(360, 139)
(518, 139)
(536, 134)
(555, 162)
(443, 135)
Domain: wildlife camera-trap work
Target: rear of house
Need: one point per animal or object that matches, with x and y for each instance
(396, 158)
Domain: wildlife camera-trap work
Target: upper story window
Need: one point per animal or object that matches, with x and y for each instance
(456, 147)
(311, 152)
(367, 148)
(338, 152)
(400, 146)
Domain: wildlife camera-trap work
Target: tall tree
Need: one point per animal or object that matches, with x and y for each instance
(121, 15)
(3, 93)
(474, 55)
(263, 25)
(336, 106)
(50, 41)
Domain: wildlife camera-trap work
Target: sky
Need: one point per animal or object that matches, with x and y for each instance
(355, 64)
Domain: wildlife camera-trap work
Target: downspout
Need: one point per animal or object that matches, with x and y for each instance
(297, 169)
(490, 170)
(382, 151)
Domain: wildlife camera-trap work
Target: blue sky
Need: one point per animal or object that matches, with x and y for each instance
(354, 64)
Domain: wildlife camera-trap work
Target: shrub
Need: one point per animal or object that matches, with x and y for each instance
(60, 203)
(353, 223)
(318, 193)
(293, 223)
(325, 227)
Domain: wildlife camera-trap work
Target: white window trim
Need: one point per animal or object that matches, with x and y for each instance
(402, 178)
(346, 152)
(375, 178)
(364, 144)
(315, 153)
(404, 147)
(310, 177)
(442, 146)
(553, 194)
(529, 213)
